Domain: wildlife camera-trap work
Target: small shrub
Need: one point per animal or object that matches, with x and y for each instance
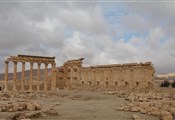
(165, 84)
(173, 84)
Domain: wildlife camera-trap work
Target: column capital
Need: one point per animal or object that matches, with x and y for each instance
(53, 64)
(15, 62)
(31, 63)
(39, 64)
(6, 62)
(46, 64)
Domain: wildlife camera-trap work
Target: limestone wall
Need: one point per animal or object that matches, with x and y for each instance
(132, 76)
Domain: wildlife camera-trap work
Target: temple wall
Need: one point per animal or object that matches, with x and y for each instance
(132, 76)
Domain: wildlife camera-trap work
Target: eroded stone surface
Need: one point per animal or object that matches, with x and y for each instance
(19, 106)
(158, 104)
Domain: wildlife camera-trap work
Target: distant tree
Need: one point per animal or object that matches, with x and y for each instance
(173, 84)
(165, 83)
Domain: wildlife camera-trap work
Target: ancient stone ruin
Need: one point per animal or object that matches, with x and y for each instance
(31, 59)
(130, 76)
(38, 94)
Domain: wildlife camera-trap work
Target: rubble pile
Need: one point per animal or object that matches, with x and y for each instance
(19, 106)
(157, 104)
(4, 96)
(28, 96)
(122, 94)
(34, 114)
(136, 117)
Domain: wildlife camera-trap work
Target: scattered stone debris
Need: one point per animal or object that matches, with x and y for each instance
(157, 104)
(110, 92)
(5, 96)
(75, 97)
(26, 115)
(136, 117)
(34, 114)
(51, 112)
(19, 106)
(166, 115)
(56, 104)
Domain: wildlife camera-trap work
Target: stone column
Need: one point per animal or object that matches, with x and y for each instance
(78, 76)
(70, 68)
(94, 76)
(14, 76)
(23, 72)
(6, 76)
(53, 82)
(38, 77)
(71, 77)
(102, 78)
(46, 77)
(31, 77)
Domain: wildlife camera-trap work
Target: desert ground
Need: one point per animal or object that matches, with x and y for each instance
(78, 105)
(81, 104)
(93, 104)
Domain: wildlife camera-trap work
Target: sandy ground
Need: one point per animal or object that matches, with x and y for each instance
(83, 105)
(87, 105)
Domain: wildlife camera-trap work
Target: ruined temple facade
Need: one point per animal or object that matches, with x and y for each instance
(72, 75)
(130, 76)
(23, 85)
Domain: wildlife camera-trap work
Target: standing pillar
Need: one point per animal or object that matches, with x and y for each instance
(46, 77)
(95, 76)
(14, 76)
(31, 77)
(6, 76)
(23, 74)
(71, 77)
(38, 77)
(102, 82)
(78, 76)
(53, 82)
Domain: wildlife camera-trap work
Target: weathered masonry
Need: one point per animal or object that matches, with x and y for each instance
(32, 60)
(130, 76)
(72, 75)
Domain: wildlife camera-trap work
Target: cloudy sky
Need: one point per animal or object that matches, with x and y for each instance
(102, 32)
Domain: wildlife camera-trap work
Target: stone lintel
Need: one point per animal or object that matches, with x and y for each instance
(32, 56)
(34, 60)
(126, 65)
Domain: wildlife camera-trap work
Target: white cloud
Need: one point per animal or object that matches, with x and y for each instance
(82, 20)
(73, 47)
(72, 30)
(135, 23)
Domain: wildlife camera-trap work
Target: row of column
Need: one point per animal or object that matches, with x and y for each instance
(53, 82)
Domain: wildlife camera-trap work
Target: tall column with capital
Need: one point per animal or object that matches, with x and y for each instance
(53, 82)
(46, 77)
(14, 76)
(31, 77)
(38, 77)
(6, 76)
(23, 74)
